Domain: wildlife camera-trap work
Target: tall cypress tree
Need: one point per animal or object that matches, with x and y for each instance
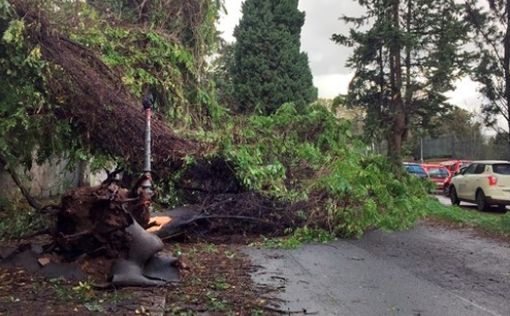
(268, 68)
(405, 58)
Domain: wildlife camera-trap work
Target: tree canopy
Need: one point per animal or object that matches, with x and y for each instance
(406, 55)
(492, 68)
(74, 70)
(268, 68)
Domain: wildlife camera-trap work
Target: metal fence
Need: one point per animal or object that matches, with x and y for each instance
(474, 147)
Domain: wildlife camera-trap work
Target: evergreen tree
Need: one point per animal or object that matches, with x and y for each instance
(268, 68)
(492, 30)
(405, 57)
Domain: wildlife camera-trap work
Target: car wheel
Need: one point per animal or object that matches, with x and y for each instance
(501, 208)
(446, 190)
(453, 196)
(481, 202)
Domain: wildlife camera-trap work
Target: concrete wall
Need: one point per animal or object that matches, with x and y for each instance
(49, 179)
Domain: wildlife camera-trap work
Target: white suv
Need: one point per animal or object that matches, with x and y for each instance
(484, 182)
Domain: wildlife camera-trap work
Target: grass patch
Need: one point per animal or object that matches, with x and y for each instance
(498, 224)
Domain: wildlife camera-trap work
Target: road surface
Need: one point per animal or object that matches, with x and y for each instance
(446, 200)
(425, 271)
(470, 206)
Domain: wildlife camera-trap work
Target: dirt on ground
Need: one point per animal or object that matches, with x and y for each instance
(215, 280)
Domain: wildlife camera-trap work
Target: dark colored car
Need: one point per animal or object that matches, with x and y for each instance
(415, 169)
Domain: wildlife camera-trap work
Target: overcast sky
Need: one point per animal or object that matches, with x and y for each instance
(327, 59)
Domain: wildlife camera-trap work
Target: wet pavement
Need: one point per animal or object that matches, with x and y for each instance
(425, 271)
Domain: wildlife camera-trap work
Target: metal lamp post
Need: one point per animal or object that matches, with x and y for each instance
(147, 106)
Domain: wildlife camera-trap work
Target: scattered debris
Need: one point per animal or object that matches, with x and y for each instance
(43, 261)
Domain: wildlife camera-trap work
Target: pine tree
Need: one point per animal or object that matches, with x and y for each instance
(268, 68)
(405, 57)
(492, 30)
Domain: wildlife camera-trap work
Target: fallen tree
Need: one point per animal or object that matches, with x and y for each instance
(92, 95)
(111, 121)
(272, 176)
(272, 173)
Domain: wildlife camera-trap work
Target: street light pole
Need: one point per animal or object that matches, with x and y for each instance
(147, 106)
(421, 149)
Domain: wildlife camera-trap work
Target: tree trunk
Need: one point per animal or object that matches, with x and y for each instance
(507, 67)
(408, 97)
(398, 111)
(382, 94)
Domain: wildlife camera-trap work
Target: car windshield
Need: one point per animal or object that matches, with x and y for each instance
(501, 168)
(438, 173)
(415, 169)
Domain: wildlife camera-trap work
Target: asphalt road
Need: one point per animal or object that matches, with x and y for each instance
(425, 271)
(471, 206)
(446, 200)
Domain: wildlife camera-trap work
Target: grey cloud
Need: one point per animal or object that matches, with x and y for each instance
(322, 21)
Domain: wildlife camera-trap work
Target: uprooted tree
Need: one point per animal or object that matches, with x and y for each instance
(78, 88)
(73, 86)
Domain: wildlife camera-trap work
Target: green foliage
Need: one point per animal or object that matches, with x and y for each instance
(25, 124)
(491, 28)
(222, 78)
(312, 156)
(268, 149)
(165, 56)
(299, 236)
(215, 303)
(268, 68)
(83, 293)
(297, 153)
(151, 59)
(29, 128)
(191, 22)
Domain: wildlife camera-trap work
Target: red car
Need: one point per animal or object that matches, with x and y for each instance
(438, 174)
(454, 167)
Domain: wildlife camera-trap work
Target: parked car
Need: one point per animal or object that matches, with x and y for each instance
(454, 167)
(415, 169)
(437, 174)
(484, 182)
